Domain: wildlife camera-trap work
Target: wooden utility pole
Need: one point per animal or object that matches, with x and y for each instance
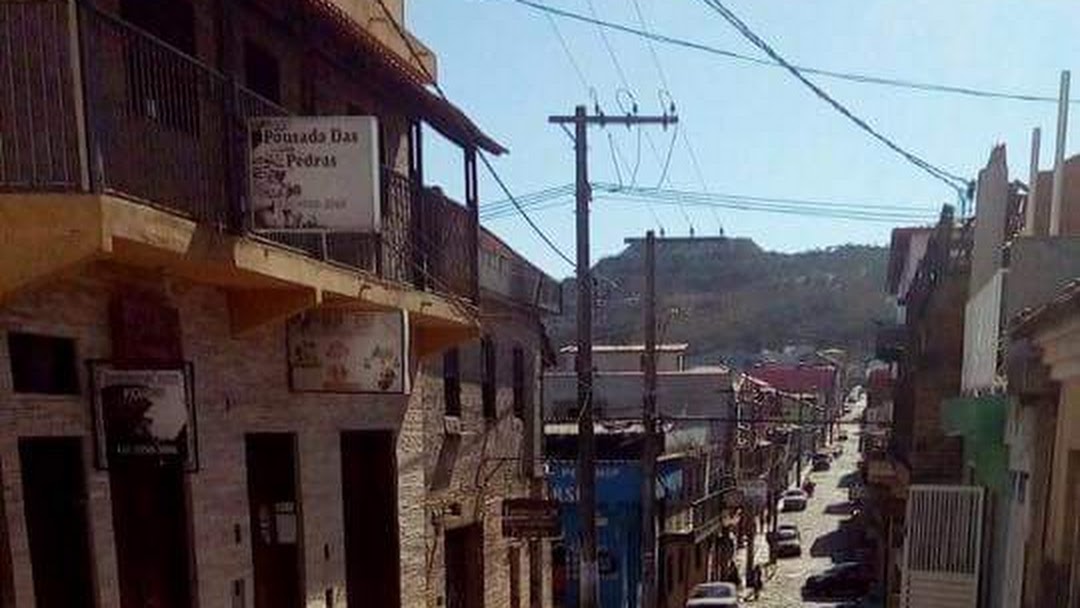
(648, 458)
(588, 578)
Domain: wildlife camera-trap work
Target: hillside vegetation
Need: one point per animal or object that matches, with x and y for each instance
(731, 299)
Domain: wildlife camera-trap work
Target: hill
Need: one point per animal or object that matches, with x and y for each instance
(729, 298)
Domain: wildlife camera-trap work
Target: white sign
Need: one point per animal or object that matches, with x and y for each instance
(349, 351)
(143, 413)
(314, 173)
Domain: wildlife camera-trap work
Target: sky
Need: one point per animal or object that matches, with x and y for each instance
(755, 129)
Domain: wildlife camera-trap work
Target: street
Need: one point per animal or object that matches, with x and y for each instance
(824, 540)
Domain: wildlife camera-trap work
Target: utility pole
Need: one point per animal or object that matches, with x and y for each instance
(648, 458)
(588, 578)
(799, 449)
(1058, 188)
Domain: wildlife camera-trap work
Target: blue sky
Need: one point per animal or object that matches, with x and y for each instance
(755, 129)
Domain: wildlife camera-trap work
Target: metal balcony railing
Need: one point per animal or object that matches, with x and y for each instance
(165, 130)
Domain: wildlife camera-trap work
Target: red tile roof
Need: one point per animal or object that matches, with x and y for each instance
(796, 378)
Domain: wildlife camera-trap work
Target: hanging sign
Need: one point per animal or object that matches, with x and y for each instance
(314, 173)
(143, 413)
(347, 351)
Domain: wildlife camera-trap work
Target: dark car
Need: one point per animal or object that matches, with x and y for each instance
(844, 581)
(821, 462)
(785, 542)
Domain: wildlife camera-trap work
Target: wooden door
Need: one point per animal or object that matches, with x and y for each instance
(369, 493)
(275, 519)
(151, 526)
(465, 567)
(54, 503)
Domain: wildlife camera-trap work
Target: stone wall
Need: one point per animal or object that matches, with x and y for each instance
(472, 467)
(241, 386)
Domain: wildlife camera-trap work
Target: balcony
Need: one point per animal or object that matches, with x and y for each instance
(699, 518)
(509, 276)
(109, 110)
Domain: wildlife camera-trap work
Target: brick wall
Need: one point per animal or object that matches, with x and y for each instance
(240, 387)
(470, 473)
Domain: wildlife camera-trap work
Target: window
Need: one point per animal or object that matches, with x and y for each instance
(452, 382)
(519, 382)
(1021, 487)
(487, 377)
(43, 364)
(262, 71)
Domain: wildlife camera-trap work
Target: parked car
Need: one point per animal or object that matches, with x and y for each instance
(793, 500)
(821, 462)
(713, 594)
(844, 581)
(785, 541)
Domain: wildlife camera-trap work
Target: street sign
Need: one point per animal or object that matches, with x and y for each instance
(530, 518)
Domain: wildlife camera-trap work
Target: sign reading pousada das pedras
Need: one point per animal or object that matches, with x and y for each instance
(347, 351)
(314, 173)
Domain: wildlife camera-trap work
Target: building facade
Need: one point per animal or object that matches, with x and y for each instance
(482, 432)
(209, 402)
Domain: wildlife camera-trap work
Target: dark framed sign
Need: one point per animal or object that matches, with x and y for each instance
(530, 518)
(143, 414)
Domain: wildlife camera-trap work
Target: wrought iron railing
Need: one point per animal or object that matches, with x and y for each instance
(166, 130)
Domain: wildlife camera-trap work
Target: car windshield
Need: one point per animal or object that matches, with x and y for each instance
(713, 591)
(786, 534)
(795, 493)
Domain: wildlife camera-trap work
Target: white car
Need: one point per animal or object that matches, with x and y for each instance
(793, 500)
(713, 594)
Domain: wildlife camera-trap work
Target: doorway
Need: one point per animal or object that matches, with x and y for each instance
(465, 567)
(275, 519)
(150, 522)
(369, 495)
(54, 504)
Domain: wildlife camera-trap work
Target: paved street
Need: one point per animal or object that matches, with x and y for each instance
(824, 541)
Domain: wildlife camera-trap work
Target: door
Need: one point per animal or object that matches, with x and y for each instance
(151, 527)
(54, 503)
(369, 494)
(465, 567)
(275, 519)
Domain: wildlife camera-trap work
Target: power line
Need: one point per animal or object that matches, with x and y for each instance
(798, 211)
(543, 236)
(547, 195)
(610, 50)
(652, 49)
(483, 158)
(643, 22)
(569, 55)
(661, 165)
(740, 205)
(957, 183)
(849, 76)
(689, 194)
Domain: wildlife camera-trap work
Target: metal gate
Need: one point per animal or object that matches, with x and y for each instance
(942, 547)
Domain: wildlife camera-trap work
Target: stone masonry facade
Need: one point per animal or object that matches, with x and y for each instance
(241, 386)
(473, 461)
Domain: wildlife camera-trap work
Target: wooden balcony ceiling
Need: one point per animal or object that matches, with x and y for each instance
(48, 235)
